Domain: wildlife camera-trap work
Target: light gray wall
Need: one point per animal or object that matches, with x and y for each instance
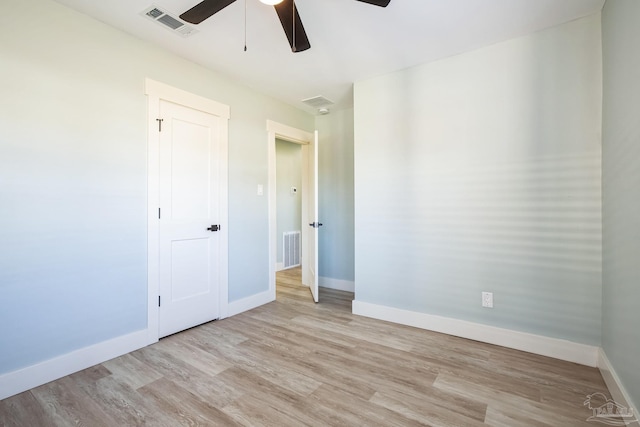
(621, 191)
(288, 174)
(481, 172)
(73, 173)
(335, 195)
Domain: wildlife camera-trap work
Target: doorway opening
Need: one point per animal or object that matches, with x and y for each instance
(289, 220)
(288, 205)
(307, 194)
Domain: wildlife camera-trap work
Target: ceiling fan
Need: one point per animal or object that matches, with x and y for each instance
(286, 10)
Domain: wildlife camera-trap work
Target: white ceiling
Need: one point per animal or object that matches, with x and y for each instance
(350, 40)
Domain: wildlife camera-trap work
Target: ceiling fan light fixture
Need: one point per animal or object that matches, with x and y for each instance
(271, 2)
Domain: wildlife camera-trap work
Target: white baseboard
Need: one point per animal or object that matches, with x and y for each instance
(338, 284)
(251, 302)
(280, 266)
(41, 373)
(537, 344)
(615, 386)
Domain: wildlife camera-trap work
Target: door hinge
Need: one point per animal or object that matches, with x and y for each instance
(159, 124)
(158, 213)
(158, 300)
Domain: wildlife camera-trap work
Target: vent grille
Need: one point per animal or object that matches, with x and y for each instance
(291, 249)
(168, 20)
(317, 102)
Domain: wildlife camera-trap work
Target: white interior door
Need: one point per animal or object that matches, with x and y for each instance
(189, 218)
(314, 224)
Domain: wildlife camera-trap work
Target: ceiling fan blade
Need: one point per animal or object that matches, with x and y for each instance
(295, 32)
(381, 3)
(204, 10)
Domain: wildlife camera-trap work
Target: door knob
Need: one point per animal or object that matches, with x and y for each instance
(214, 228)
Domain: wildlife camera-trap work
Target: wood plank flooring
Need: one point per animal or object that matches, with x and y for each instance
(296, 363)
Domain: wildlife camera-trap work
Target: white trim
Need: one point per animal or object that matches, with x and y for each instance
(223, 192)
(272, 209)
(178, 96)
(305, 257)
(615, 386)
(153, 226)
(280, 267)
(32, 376)
(339, 284)
(250, 302)
(298, 136)
(289, 133)
(537, 344)
(155, 92)
(288, 268)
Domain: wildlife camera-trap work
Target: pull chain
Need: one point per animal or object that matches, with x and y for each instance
(245, 25)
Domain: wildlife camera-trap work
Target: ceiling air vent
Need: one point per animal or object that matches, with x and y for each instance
(317, 102)
(168, 21)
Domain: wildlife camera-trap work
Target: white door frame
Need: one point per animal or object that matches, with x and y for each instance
(156, 91)
(305, 139)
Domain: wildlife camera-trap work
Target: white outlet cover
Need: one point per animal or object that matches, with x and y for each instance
(487, 299)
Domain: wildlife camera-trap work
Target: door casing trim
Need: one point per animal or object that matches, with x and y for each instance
(155, 92)
(305, 139)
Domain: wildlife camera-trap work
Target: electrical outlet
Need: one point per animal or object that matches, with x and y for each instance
(487, 299)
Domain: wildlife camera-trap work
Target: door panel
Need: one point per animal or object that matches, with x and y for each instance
(189, 268)
(191, 152)
(313, 220)
(189, 203)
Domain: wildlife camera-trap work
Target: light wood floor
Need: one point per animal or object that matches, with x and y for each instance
(294, 363)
